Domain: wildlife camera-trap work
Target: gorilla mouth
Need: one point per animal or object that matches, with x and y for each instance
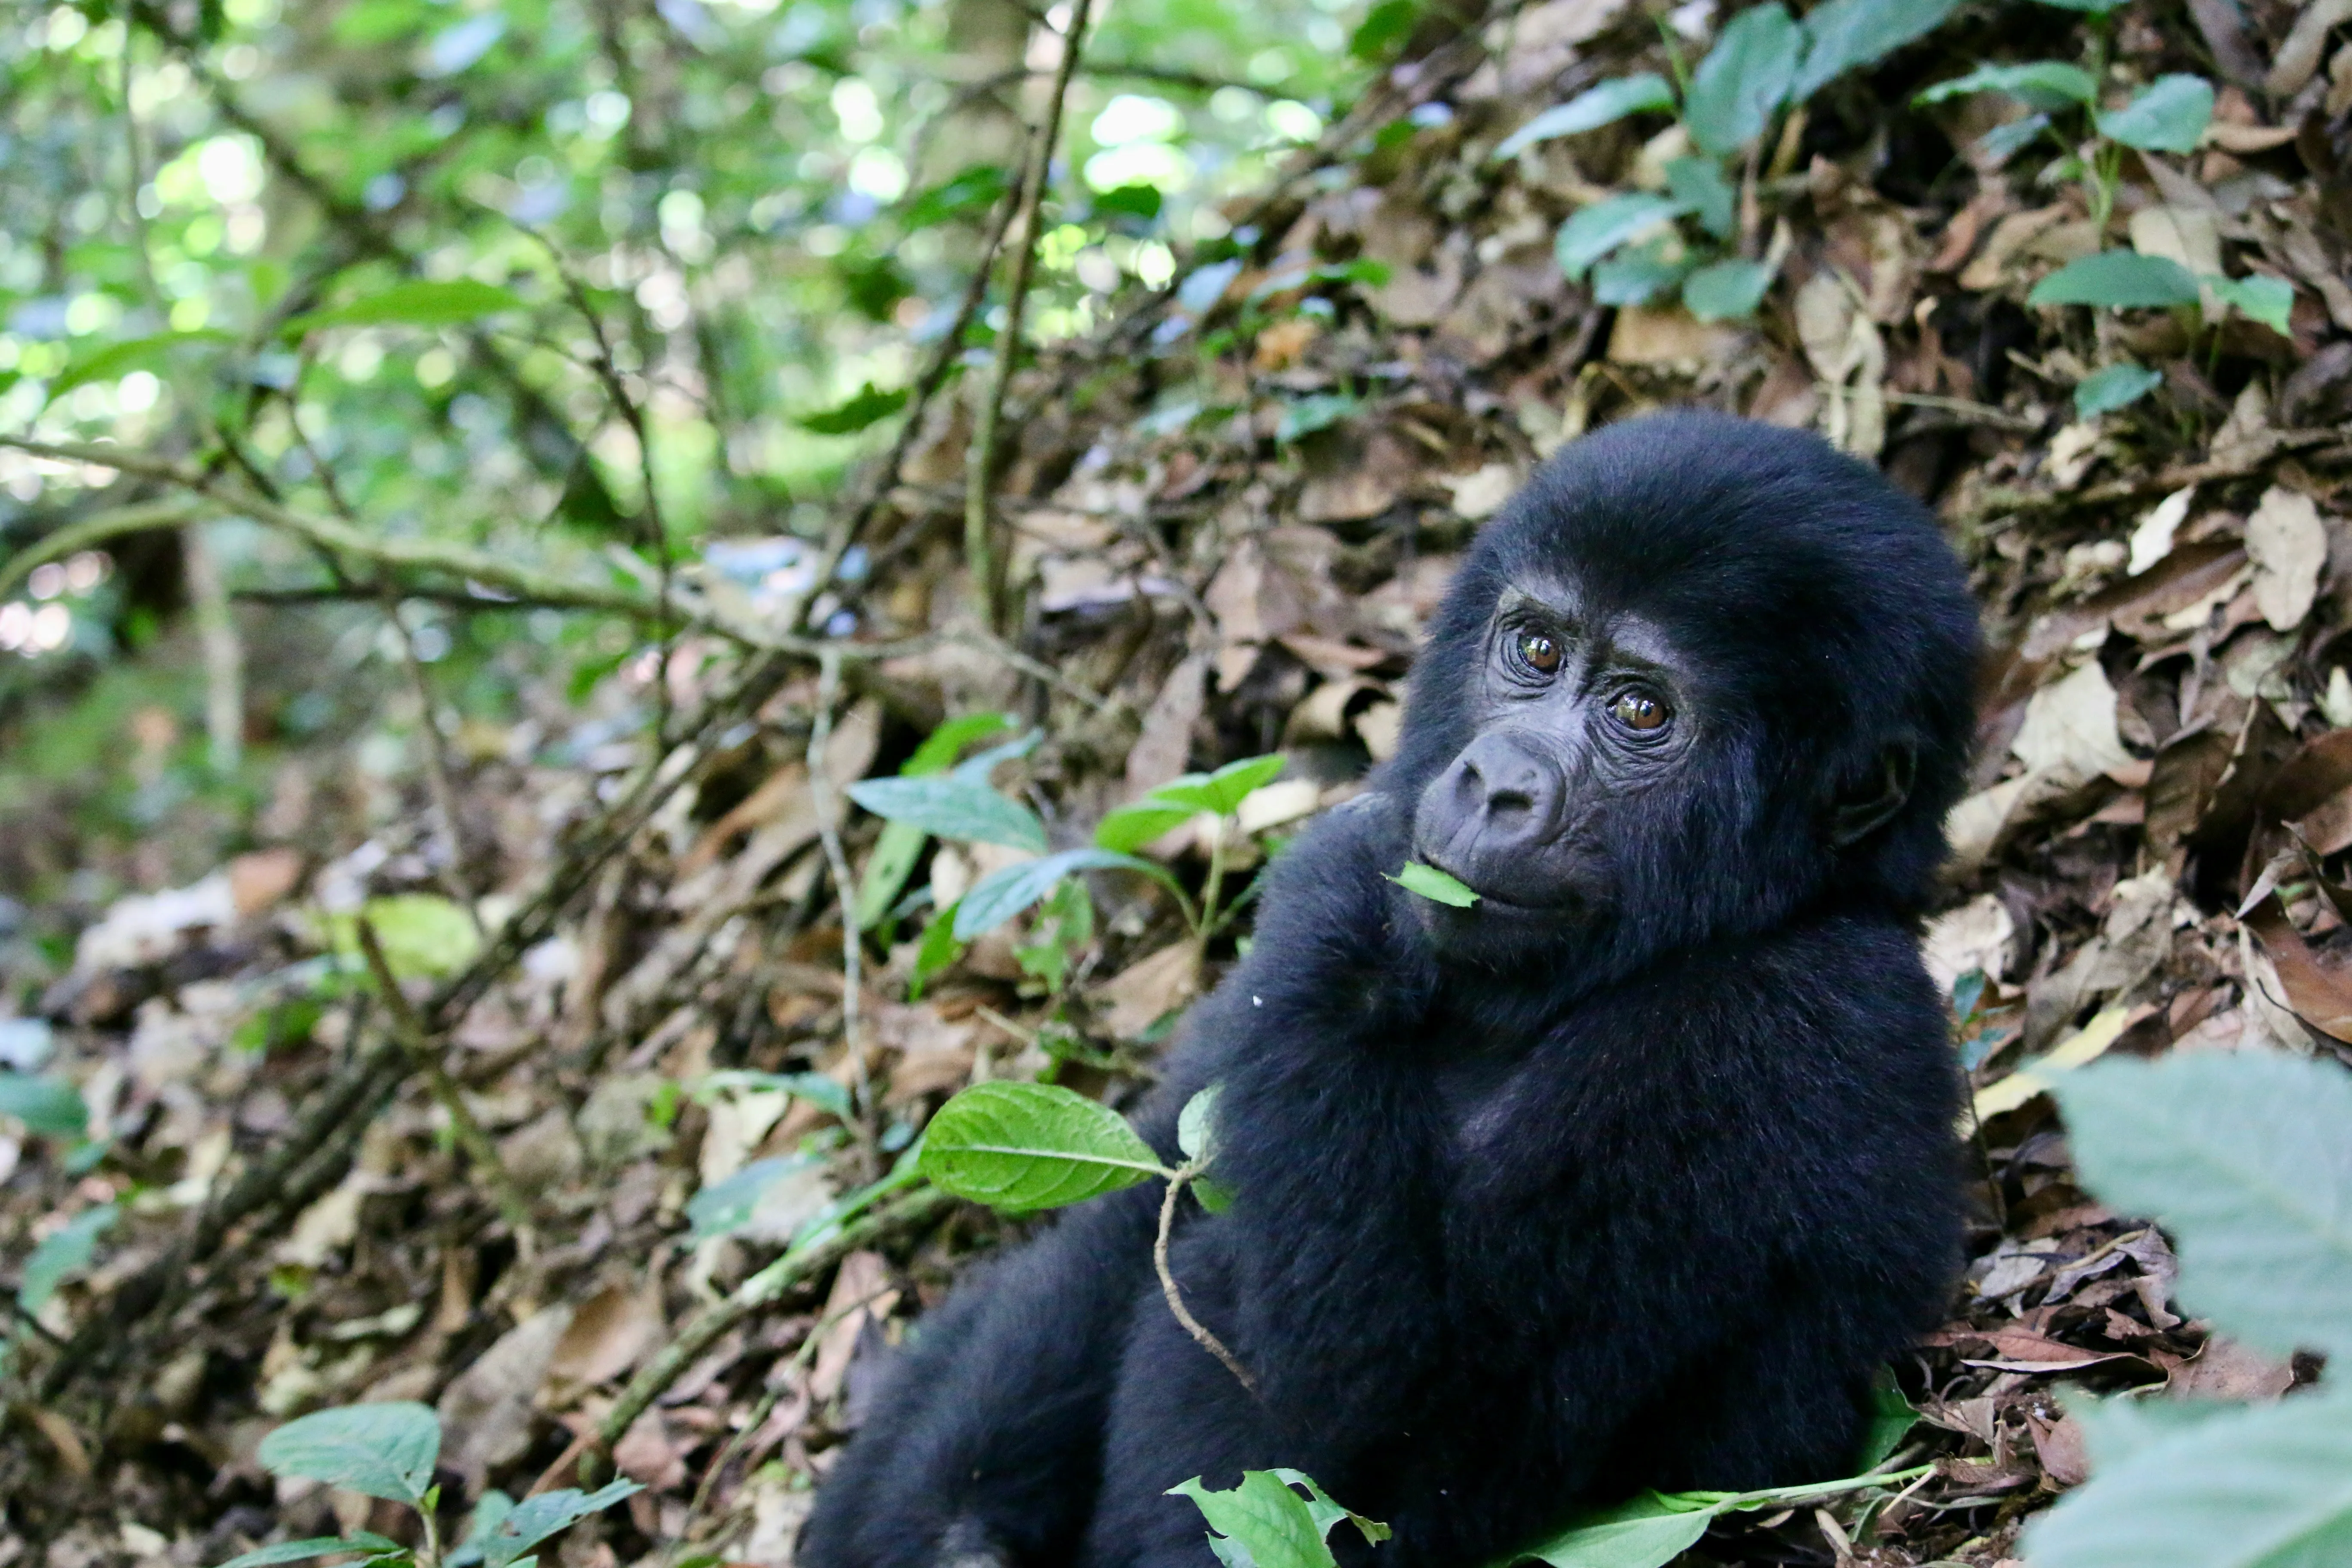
(1492, 903)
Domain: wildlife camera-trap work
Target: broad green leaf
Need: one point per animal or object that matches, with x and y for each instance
(317, 1546)
(1196, 1129)
(2263, 1487)
(418, 303)
(62, 1253)
(2115, 1429)
(1270, 1524)
(2117, 281)
(952, 808)
(976, 768)
(1020, 1147)
(1327, 1513)
(727, 1206)
(934, 949)
(813, 1086)
(2246, 1161)
(1646, 1532)
(941, 748)
(1727, 291)
(2046, 85)
(1221, 793)
(1643, 92)
(866, 407)
(1698, 184)
(2111, 387)
(1317, 411)
(1891, 1420)
(1435, 885)
(534, 1518)
(886, 870)
(120, 359)
(970, 190)
(1637, 274)
(1594, 231)
(1132, 826)
(378, 1450)
(495, 1505)
(2269, 300)
(2004, 142)
(1001, 895)
(1744, 79)
(2170, 116)
(424, 935)
(1840, 34)
(49, 1106)
(1386, 23)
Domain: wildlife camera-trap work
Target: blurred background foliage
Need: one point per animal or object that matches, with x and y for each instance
(269, 239)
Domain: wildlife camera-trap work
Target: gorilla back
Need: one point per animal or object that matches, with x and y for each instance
(1630, 1174)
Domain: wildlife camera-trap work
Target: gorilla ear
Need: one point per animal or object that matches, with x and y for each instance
(1862, 810)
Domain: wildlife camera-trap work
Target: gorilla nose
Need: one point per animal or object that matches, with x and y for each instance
(1500, 797)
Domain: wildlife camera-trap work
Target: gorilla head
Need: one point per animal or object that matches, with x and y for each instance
(1669, 702)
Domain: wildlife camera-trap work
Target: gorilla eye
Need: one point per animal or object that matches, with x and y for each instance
(1540, 652)
(1638, 713)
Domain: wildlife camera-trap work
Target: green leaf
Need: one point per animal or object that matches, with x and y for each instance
(1698, 184)
(1308, 415)
(1637, 274)
(2115, 1429)
(1020, 1147)
(976, 768)
(1386, 23)
(866, 407)
(1891, 1420)
(1641, 93)
(1594, 231)
(1001, 895)
(813, 1086)
(1727, 291)
(1221, 793)
(120, 359)
(727, 1206)
(535, 1518)
(1434, 885)
(2263, 1487)
(316, 1546)
(2004, 142)
(418, 303)
(1744, 79)
(1840, 34)
(2245, 1160)
(1132, 826)
(973, 189)
(2111, 387)
(941, 748)
(952, 808)
(886, 870)
(935, 950)
(62, 1253)
(2270, 300)
(378, 1450)
(2046, 85)
(1270, 1524)
(2117, 281)
(1646, 1532)
(424, 935)
(1196, 1131)
(49, 1106)
(2170, 116)
(1327, 1513)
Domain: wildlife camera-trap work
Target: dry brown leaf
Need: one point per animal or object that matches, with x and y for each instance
(1160, 751)
(2288, 545)
(2228, 1370)
(259, 880)
(487, 1411)
(1150, 989)
(1668, 337)
(2317, 996)
(860, 1294)
(608, 1334)
(647, 1453)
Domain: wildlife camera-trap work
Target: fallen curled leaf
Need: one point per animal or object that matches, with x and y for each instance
(2288, 545)
(2319, 996)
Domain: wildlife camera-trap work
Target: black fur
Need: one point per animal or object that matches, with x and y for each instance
(1517, 1232)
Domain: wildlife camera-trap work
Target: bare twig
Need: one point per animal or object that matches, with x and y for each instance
(796, 1267)
(409, 1030)
(853, 949)
(979, 466)
(139, 516)
(1192, 1325)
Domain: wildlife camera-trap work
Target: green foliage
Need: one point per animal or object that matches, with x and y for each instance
(953, 808)
(901, 844)
(1651, 1529)
(414, 304)
(1434, 885)
(1021, 1147)
(378, 1450)
(113, 360)
(2244, 1159)
(1744, 80)
(1594, 231)
(2112, 387)
(2170, 116)
(2269, 300)
(1265, 1523)
(424, 935)
(1221, 793)
(1843, 35)
(1641, 93)
(366, 1544)
(726, 1207)
(2117, 281)
(1726, 289)
(1003, 894)
(2046, 85)
(62, 1253)
(517, 1530)
(49, 1106)
(869, 406)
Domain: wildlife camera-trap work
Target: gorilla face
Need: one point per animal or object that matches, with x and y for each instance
(1586, 723)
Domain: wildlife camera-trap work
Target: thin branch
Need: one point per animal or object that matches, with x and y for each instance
(853, 947)
(979, 466)
(139, 516)
(796, 1267)
(1192, 1325)
(409, 1030)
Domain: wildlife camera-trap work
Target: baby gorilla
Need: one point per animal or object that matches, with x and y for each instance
(1630, 1174)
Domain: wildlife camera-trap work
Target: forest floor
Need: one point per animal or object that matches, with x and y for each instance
(2151, 857)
